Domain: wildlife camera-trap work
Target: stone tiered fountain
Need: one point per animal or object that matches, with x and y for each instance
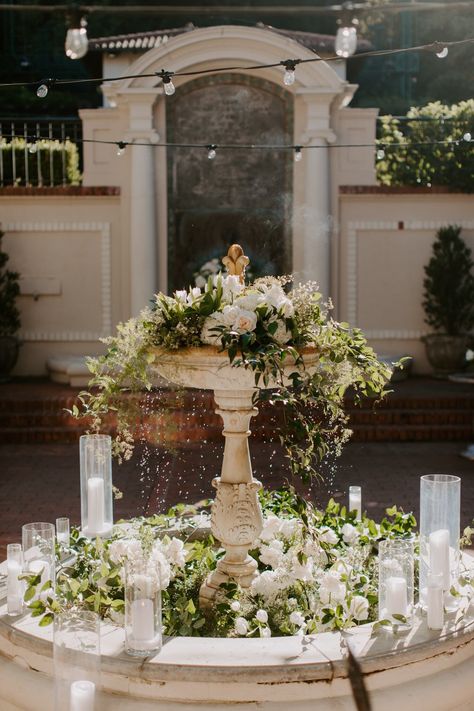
(236, 514)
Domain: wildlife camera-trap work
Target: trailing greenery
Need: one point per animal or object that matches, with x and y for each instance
(450, 164)
(48, 162)
(9, 291)
(448, 298)
(262, 328)
(317, 571)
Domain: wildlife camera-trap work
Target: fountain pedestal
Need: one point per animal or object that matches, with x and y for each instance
(236, 518)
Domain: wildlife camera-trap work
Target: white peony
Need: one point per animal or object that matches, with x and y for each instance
(262, 616)
(241, 626)
(350, 534)
(272, 554)
(175, 552)
(359, 608)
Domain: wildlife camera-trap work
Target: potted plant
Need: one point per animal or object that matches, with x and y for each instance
(9, 316)
(448, 301)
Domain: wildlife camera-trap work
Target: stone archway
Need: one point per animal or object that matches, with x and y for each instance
(140, 103)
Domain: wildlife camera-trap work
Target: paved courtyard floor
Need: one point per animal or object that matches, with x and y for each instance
(41, 482)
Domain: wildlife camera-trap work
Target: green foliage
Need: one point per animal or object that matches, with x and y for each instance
(448, 298)
(45, 163)
(450, 164)
(9, 291)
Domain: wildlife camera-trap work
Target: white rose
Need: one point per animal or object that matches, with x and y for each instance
(241, 626)
(249, 301)
(296, 618)
(175, 552)
(272, 554)
(245, 321)
(265, 632)
(359, 608)
(349, 533)
(302, 571)
(200, 281)
(262, 616)
(288, 527)
(229, 314)
(327, 535)
(235, 605)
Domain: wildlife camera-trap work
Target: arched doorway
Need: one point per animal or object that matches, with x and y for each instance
(242, 196)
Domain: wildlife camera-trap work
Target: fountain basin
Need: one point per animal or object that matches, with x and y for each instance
(208, 367)
(433, 669)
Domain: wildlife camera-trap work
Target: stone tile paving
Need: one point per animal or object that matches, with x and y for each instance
(41, 482)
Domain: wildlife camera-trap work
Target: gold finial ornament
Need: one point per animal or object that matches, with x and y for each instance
(235, 262)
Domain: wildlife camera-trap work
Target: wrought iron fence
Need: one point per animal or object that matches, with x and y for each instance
(40, 151)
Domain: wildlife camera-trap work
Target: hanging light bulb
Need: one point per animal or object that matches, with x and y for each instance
(121, 146)
(298, 154)
(77, 42)
(33, 148)
(346, 41)
(467, 137)
(380, 154)
(346, 36)
(441, 50)
(289, 75)
(168, 85)
(43, 88)
(212, 151)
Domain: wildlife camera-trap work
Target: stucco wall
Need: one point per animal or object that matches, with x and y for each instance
(68, 250)
(384, 240)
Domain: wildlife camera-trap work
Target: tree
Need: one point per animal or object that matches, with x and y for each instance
(448, 298)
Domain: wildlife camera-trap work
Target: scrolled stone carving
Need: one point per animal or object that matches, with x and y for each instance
(236, 518)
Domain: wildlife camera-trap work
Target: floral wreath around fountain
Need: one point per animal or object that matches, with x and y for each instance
(300, 570)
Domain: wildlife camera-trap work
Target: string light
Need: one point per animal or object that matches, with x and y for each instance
(380, 154)
(44, 87)
(440, 49)
(298, 154)
(211, 151)
(168, 85)
(346, 36)
(289, 75)
(77, 42)
(33, 148)
(121, 146)
(467, 137)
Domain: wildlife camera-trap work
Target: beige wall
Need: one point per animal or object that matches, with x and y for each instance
(68, 251)
(384, 241)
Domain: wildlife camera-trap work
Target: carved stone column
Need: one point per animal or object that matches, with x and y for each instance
(236, 519)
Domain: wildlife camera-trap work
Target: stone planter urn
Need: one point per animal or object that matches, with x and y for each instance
(236, 516)
(445, 353)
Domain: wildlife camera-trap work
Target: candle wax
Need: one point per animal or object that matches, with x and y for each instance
(95, 504)
(435, 607)
(143, 620)
(14, 588)
(396, 596)
(82, 696)
(355, 504)
(439, 556)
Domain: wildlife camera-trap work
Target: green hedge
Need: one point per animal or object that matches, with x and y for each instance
(43, 150)
(451, 164)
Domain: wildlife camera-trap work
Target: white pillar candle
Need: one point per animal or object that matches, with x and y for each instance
(355, 500)
(95, 505)
(143, 620)
(439, 556)
(14, 588)
(435, 602)
(396, 596)
(82, 696)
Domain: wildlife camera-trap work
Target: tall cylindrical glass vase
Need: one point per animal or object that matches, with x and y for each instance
(440, 501)
(396, 581)
(143, 621)
(76, 660)
(39, 551)
(96, 485)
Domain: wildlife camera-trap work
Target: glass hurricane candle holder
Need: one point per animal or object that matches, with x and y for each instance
(396, 581)
(440, 502)
(355, 500)
(15, 586)
(62, 531)
(143, 621)
(96, 485)
(76, 660)
(39, 555)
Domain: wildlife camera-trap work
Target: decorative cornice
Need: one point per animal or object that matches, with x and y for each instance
(103, 228)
